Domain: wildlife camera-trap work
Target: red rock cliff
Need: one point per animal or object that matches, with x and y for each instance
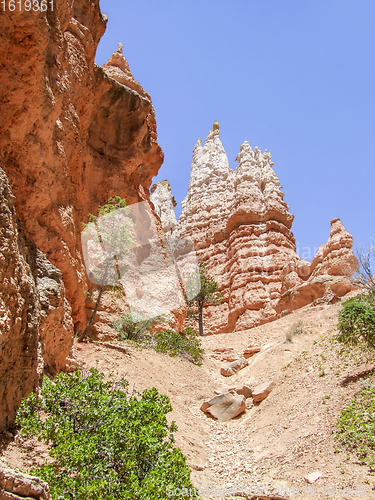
(72, 134)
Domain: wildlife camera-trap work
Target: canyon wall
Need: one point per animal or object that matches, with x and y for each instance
(241, 228)
(72, 134)
(36, 330)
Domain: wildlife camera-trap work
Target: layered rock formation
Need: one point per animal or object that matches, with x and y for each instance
(325, 277)
(72, 134)
(241, 228)
(17, 486)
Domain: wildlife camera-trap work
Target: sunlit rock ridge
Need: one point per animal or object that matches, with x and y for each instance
(241, 228)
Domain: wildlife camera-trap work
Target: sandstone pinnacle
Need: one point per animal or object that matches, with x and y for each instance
(241, 228)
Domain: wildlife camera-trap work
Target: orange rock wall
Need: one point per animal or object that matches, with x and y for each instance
(70, 135)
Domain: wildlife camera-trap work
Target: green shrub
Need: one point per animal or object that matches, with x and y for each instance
(356, 324)
(133, 326)
(106, 443)
(355, 429)
(186, 344)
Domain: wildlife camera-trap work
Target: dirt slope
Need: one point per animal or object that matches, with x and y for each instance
(276, 443)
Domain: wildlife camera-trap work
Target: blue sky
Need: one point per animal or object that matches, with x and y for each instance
(294, 76)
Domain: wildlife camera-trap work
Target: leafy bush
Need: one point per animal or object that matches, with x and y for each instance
(133, 326)
(355, 429)
(357, 321)
(186, 344)
(106, 443)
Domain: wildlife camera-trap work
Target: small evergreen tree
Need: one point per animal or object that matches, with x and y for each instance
(208, 294)
(133, 326)
(113, 233)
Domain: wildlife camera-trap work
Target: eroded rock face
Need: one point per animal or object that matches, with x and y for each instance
(36, 331)
(19, 319)
(240, 226)
(71, 134)
(325, 277)
(241, 229)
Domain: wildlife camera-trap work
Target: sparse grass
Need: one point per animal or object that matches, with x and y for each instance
(295, 329)
(186, 344)
(136, 330)
(117, 290)
(355, 429)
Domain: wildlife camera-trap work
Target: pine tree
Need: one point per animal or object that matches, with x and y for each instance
(207, 295)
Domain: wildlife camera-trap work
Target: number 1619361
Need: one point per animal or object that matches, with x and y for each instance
(26, 5)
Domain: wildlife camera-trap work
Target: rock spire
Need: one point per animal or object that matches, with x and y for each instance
(241, 227)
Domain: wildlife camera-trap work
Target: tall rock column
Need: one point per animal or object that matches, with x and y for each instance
(164, 203)
(241, 228)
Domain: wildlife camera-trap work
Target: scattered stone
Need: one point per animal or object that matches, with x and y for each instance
(250, 351)
(249, 403)
(225, 406)
(261, 391)
(245, 390)
(224, 354)
(311, 478)
(197, 467)
(234, 367)
(242, 493)
(205, 406)
(125, 350)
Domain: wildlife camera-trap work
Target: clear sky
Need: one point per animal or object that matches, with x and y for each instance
(294, 76)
